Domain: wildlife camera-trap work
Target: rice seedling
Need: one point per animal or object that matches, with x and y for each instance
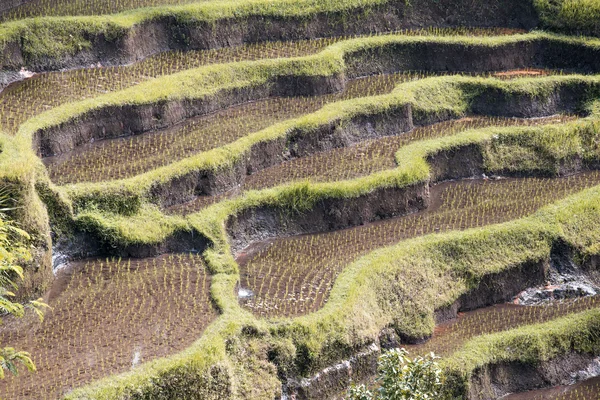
(108, 316)
(293, 276)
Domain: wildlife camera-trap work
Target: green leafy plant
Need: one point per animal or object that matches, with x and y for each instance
(13, 250)
(403, 378)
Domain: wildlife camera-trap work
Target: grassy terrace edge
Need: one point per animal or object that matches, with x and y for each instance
(45, 40)
(308, 343)
(119, 211)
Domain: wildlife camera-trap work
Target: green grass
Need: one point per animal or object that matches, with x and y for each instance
(575, 16)
(18, 171)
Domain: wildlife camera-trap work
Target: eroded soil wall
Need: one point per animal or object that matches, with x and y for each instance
(496, 380)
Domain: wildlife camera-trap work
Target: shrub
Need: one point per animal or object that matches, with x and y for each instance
(403, 378)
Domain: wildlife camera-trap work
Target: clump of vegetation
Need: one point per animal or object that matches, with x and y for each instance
(13, 249)
(403, 378)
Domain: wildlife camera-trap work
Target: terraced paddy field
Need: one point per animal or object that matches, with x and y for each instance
(39, 93)
(130, 156)
(108, 316)
(123, 158)
(293, 276)
(254, 200)
(346, 163)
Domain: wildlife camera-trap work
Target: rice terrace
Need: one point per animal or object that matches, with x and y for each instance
(309, 199)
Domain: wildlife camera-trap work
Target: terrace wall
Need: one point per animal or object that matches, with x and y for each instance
(496, 380)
